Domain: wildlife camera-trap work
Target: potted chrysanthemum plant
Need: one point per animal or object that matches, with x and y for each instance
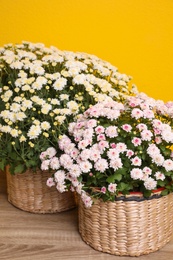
(118, 158)
(42, 90)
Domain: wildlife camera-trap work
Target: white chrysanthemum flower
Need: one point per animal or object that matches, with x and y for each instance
(74, 72)
(111, 131)
(79, 79)
(8, 94)
(27, 103)
(116, 163)
(146, 135)
(147, 170)
(153, 149)
(157, 124)
(14, 133)
(17, 99)
(36, 122)
(69, 148)
(137, 113)
(94, 154)
(41, 80)
(55, 101)
(66, 161)
(73, 106)
(61, 187)
(167, 136)
(86, 200)
(85, 166)
(136, 161)
(83, 144)
(37, 69)
(20, 116)
(60, 119)
(158, 159)
(159, 176)
(57, 111)
(121, 147)
(75, 170)
(150, 183)
(34, 132)
(45, 125)
(59, 84)
(22, 74)
(59, 176)
(136, 174)
(64, 97)
(112, 187)
(15, 107)
(12, 116)
(88, 133)
(26, 87)
(50, 182)
(168, 165)
(5, 114)
(113, 153)
(101, 165)
(16, 65)
(19, 82)
(85, 154)
(88, 86)
(22, 139)
(46, 108)
(5, 128)
(79, 188)
(76, 64)
(54, 163)
(37, 86)
(36, 99)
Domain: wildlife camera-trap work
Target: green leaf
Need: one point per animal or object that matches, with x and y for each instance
(164, 192)
(9, 147)
(126, 164)
(161, 183)
(121, 171)
(147, 193)
(19, 168)
(99, 175)
(115, 176)
(80, 178)
(118, 176)
(111, 179)
(143, 156)
(123, 186)
(2, 165)
(31, 163)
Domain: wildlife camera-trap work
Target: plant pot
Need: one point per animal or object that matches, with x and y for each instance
(3, 186)
(129, 226)
(28, 191)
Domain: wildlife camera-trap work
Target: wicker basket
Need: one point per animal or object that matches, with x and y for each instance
(127, 227)
(29, 192)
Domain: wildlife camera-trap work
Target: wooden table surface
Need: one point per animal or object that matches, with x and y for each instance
(28, 236)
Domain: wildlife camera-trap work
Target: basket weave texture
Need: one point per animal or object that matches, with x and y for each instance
(29, 192)
(130, 228)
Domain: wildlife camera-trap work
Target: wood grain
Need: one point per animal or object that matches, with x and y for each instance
(27, 236)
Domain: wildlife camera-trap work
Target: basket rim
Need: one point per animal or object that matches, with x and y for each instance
(134, 195)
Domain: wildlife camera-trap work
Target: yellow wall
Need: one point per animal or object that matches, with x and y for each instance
(134, 35)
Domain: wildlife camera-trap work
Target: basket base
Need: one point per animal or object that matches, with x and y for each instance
(128, 228)
(29, 192)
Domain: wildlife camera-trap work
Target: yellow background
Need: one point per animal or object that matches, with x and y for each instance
(134, 35)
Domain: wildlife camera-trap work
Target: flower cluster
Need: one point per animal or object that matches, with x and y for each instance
(43, 89)
(115, 148)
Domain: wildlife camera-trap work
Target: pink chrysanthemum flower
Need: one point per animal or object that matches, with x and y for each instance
(126, 127)
(136, 141)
